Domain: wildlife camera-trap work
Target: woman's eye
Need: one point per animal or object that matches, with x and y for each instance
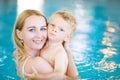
(44, 29)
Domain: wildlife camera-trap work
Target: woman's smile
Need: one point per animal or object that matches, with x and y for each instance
(37, 41)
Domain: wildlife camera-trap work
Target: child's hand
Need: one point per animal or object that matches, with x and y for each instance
(33, 75)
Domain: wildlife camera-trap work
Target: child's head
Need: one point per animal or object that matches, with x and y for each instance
(26, 24)
(64, 22)
(69, 18)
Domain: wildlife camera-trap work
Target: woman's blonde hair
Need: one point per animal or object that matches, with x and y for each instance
(19, 54)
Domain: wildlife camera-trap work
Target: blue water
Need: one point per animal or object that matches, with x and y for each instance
(95, 45)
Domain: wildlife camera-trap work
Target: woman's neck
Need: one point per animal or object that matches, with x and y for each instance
(31, 52)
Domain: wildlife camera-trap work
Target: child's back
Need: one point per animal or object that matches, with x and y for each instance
(56, 57)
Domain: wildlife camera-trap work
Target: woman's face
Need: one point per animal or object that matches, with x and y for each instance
(34, 32)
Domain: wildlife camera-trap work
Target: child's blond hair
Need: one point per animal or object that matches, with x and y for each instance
(68, 17)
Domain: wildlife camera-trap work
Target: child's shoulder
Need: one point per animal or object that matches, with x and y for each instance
(61, 52)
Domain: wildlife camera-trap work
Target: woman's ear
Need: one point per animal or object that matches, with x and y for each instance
(19, 34)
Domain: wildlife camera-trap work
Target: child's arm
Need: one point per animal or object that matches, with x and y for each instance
(71, 70)
(59, 71)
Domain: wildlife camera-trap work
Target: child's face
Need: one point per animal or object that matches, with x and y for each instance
(58, 28)
(34, 32)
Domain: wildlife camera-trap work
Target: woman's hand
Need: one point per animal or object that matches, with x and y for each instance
(66, 46)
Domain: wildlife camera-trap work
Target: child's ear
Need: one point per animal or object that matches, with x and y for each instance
(19, 34)
(67, 38)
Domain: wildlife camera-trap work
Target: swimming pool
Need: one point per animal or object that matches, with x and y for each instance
(95, 44)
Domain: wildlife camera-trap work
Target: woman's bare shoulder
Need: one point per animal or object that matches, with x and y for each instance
(39, 61)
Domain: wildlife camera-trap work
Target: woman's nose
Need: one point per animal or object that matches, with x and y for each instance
(38, 34)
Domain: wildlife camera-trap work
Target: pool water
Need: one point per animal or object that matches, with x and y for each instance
(95, 44)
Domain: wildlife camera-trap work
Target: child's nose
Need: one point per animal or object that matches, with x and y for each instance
(55, 29)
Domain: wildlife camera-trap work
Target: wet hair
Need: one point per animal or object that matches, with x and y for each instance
(19, 54)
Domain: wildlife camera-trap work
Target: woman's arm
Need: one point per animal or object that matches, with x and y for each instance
(71, 70)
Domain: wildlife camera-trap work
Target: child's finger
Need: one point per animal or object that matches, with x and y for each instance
(28, 75)
(34, 70)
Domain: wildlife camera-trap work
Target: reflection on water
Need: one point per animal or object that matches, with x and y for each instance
(110, 36)
(96, 51)
(106, 66)
(95, 44)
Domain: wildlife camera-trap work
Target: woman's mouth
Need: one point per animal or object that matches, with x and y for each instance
(37, 41)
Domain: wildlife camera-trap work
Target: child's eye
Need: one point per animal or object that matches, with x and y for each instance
(31, 30)
(61, 30)
(53, 25)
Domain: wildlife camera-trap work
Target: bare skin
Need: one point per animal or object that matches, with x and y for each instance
(72, 72)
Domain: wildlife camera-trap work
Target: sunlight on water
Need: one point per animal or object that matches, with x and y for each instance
(95, 44)
(28, 4)
(109, 38)
(106, 66)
